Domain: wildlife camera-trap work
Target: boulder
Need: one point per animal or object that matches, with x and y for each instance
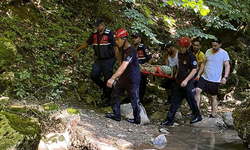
(127, 112)
(228, 119)
(241, 120)
(18, 132)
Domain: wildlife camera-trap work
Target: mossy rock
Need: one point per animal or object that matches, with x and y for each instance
(4, 100)
(18, 132)
(241, 119)
(6, 80)
(72, 111)
(7, 53)
(17, 109)
(50, 106)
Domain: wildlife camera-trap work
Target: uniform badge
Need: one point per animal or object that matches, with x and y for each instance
(195, 63)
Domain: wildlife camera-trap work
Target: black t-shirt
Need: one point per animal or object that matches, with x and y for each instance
(132, 72)
(187, 62)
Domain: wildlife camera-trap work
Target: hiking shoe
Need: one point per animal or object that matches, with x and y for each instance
(113, 116)
(167, 123)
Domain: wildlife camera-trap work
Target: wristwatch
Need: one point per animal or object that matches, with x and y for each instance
(225, 78)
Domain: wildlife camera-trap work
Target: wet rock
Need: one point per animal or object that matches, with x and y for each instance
(165, 132)
(210, 123)
(127, 112)
(160, 141)
(228, 119)
(241, 120)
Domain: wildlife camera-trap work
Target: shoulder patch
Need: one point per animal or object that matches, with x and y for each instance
(107, 31)
(140, 45)
(194, 62)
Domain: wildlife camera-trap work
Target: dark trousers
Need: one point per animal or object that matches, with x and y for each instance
(104, 66)
(179, 93)
(143, 86)
(133, 92)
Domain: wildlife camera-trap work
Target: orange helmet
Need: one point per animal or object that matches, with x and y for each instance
(121, 33)
(185, 42)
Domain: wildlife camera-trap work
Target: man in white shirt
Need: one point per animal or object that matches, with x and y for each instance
(214, 60)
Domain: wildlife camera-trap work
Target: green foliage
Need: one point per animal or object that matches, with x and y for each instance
(45, 40)
(196, 5)
(141, 23)
(230, 11)
(193, 32)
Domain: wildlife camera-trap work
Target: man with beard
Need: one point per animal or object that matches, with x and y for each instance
(105, 49)
(144, 56)
(196, 44)
(211, 78)
(170, 59)
(129, 73)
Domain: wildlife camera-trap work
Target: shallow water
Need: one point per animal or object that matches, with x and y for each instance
(193, 138)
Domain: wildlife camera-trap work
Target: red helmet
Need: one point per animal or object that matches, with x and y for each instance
(185, 42)
(121, 33)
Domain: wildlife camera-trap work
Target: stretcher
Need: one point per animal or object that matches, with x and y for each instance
(157, 74)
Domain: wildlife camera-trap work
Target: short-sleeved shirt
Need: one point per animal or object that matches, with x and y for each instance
(132, 72)
(187, 62)
(199, 57)
(143, 54)
(99, 37)
(103, 44)
(214, 65)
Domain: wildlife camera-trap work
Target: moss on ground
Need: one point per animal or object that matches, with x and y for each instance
(72, 111)
(50, 106)
(8, 135)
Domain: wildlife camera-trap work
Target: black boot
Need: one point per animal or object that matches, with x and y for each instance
(133, 121)
(167, 123)
(114, 117)
(196, 118)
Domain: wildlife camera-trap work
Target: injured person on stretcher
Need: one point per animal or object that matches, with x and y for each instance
(160, 69)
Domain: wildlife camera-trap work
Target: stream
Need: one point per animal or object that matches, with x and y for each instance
(190, 138)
